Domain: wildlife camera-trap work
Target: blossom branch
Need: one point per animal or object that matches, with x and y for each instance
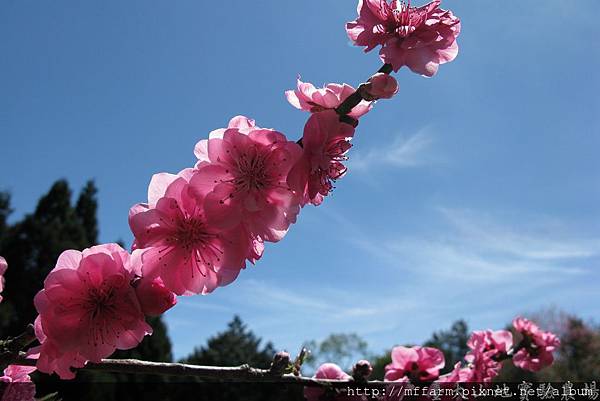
(243, 373)
(354, 99)
(11, 349)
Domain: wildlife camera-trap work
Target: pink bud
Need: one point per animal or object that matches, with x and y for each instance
(3, 266)
(155, 299)
(379, 86)
(362, 370)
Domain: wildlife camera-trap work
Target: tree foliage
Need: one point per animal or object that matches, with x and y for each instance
(342, 348)
(452, 342)
(233, 347)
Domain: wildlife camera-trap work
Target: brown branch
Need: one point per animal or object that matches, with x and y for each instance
(11, 349)
(351, 101)
(242, 374)
(355, 98)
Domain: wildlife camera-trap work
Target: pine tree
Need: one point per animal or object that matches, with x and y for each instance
(233, 347)
(86, 208)
(452, 342)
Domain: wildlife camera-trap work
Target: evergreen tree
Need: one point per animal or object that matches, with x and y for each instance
(452, 342)
(340, 348)
(5, 211)
(86, 209)
(233, 347)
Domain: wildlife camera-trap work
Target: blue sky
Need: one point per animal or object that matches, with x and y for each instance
(474, 194)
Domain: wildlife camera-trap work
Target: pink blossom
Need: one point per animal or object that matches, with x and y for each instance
(497, 343)
(419, 364)
(420, 38)
(242, 171)
(458, 375)
(154, 297)
(482, 367)
(536, 348)
(379, 86)
(325, 143)
(16, 385)
(333, 372)
(189, 254)
(488, 348)
(3, 266)
(308, 98)
(88, 309)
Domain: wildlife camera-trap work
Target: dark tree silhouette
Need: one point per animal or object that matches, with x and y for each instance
(86, 208)
(236, 346)
(452, 342)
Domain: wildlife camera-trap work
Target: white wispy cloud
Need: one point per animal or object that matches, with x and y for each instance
(324, 303)
(478, 247)
(537, 241)
(406, 151)
(481, 266)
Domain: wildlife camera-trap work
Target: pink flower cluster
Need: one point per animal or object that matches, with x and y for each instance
(488, 349)
(417, 364)
(93, 303)
(16, 385)
(199, 227)
(420, 38)
(309, 98)
(537, 346)
(196, 231)
(484, 361)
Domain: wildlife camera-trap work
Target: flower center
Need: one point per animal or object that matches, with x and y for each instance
(190, 233)
(100, 302)
(402, 19)
(251, 173)
(415, 374)
(402, 14)
(202, 246)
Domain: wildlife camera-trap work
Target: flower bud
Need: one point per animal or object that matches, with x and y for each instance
(155, 299)
(379, 86)
(281, 361)
(362, 370)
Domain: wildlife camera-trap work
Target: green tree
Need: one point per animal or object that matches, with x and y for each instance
(86, 209)
(235, 346)
(340, 348)
(379, 363)
(5, 211)
(452, 342)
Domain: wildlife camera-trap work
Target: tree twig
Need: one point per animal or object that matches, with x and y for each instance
(355, 98)
(11, 349)
(241, 374)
